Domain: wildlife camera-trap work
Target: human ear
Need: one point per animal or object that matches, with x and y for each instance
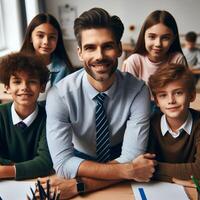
(79, 51)
(156, 101)
(119, 49)
(192, 96)
(42, 88)
(7, 88)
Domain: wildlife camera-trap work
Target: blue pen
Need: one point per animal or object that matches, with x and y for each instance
(142, 194)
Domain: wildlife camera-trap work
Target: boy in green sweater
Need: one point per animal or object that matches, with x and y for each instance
(175, 133)
(24, 152)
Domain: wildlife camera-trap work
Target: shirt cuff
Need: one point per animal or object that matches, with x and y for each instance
(71, 167)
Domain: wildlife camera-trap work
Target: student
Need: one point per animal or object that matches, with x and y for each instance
(24, 152)
(95, 106)
(158, 45)
(175, 135)
(44, 37)
(191, 52)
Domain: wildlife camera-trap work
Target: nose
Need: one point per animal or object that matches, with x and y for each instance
(24, 86)
(99, 54)
(45, 40)
(171, 99)
(158, 42)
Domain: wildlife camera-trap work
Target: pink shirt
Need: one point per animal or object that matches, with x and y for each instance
(141, 67)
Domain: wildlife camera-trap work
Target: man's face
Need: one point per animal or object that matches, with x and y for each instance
(99, 52)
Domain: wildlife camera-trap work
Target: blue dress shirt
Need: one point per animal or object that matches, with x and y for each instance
(71, 119)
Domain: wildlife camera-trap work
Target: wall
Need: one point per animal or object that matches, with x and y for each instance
(186, 12)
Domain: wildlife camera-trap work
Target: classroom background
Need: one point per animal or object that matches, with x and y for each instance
(16, 14)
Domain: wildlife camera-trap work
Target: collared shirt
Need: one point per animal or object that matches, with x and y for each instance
(71, 119)
(28, 120)
(193, 57)
(187, 126)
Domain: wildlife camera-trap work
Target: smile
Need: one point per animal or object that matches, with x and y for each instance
(24, 95)
(157, 50)
(45, 49)
(173, 108)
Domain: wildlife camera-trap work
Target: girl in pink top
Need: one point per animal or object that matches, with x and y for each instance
(158, 44)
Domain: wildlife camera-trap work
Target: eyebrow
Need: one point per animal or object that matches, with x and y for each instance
(46, 33)
(106, 43)
(167, 34)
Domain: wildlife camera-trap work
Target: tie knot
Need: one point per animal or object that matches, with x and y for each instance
(21, 125)
(100, 98)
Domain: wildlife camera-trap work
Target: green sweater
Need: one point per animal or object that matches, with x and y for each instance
(26, 148)
(177, 157)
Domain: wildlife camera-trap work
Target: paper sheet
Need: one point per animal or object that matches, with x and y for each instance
(159, 191)
(15, 190)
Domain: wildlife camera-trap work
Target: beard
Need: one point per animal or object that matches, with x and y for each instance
(104, 75)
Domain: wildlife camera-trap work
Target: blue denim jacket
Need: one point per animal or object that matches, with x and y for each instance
(58, 70)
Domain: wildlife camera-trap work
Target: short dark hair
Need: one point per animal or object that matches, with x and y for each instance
(191, 36)
(31, 64)
(98, 18)
(171, 72)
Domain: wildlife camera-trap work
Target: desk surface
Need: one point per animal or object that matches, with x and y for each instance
(123, 191)
(195, 71)
(11, 189)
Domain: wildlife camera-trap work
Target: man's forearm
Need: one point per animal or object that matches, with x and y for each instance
(107, 171)
(140, 169)
(96, 184)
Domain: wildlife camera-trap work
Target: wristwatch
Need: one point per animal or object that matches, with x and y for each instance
(80, 186)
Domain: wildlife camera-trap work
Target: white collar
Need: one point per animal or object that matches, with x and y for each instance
(187, 126)
(28, 120)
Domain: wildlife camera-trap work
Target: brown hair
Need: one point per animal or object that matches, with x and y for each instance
(14, 63)
(172, 72)
(60, 51)
(98, 18)
(156, 17)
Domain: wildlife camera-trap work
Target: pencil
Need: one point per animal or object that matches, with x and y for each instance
(34, 197)
(196, 182)
(48, 189)
(28, 198)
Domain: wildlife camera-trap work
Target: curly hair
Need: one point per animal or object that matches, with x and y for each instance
(14, 63)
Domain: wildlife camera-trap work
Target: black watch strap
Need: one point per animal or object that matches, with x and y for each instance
(80, 186)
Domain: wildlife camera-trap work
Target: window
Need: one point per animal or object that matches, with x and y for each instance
(2, 28)
(10, 26)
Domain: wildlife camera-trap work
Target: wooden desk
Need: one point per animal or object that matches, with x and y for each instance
(11, 190)
(123, 191)
(196, 71)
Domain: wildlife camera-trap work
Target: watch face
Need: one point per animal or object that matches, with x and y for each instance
(80, 187)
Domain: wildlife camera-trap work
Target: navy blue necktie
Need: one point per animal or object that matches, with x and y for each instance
(102, 131)
(21, 125)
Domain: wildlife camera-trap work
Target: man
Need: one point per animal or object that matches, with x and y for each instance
(98, 114)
